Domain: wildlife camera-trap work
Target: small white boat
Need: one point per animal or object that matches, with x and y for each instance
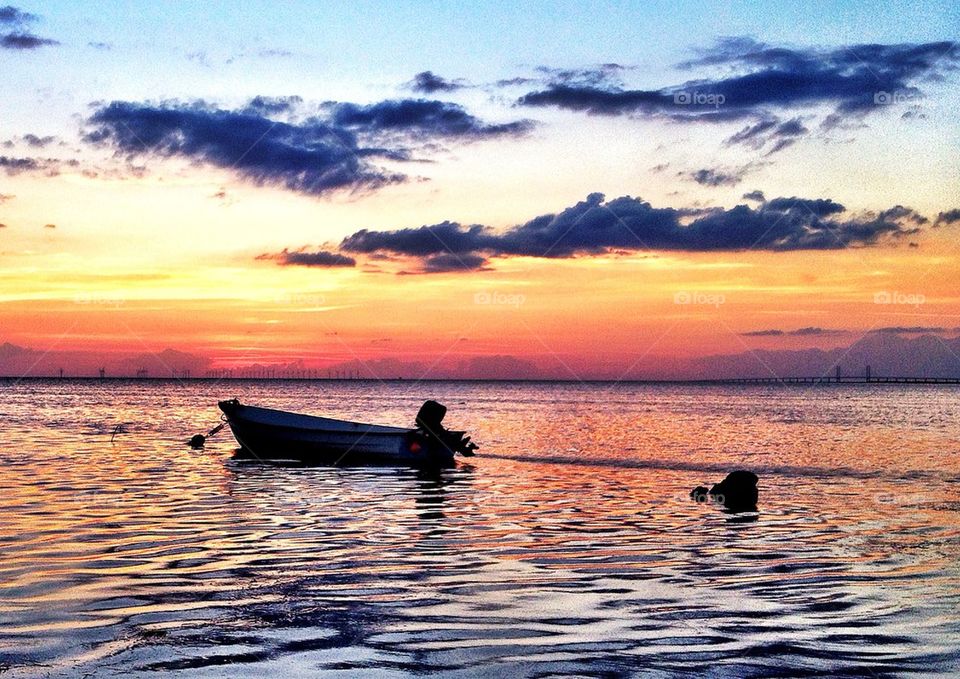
(277, 434)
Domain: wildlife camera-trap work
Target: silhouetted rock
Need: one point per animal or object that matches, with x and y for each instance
(738, 491)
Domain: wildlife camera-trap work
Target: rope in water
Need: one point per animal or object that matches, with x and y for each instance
(199, 440)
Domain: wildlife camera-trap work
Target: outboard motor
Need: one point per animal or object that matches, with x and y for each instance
(430, 419)
(431, 416)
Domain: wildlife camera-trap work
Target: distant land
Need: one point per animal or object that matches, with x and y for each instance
(889, 354)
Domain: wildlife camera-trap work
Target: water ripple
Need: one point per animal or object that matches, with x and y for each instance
(141, 557)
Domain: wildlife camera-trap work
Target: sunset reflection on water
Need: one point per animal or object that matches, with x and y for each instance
(569, 544)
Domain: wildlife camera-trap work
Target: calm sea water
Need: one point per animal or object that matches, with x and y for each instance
(568, 546)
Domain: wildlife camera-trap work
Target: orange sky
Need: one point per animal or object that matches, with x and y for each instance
(113, 250)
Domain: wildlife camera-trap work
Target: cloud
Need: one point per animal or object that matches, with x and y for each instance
(596, 226)
(820, 207)
(49, 226)
(341, 150)
(38, 142)
(758, 80)
(268, 106)
(948, 217)
(20, 38)
(602, 74)
(428, 82)
(4, 197)
(769, 135)
(319, 258)
(312, 158)
(24, 41)
(419, 118)
(764, 333)
(799, 332)
(447, 262)
(756, 195)
(12, 16)
(47, 166)
(717, 176)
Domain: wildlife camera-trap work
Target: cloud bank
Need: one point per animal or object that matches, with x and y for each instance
(596, 227)
(344, 148)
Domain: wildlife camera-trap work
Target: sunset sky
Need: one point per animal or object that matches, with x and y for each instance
(590, 189)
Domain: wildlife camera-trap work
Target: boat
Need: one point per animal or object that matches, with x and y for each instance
(265, 433)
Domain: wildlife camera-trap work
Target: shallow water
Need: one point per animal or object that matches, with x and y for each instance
(567, 546)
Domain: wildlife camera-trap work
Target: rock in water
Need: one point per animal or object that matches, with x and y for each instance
(738, 491)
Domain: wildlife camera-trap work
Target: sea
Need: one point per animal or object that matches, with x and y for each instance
(568, 546)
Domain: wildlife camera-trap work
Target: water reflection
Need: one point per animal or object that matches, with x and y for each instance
(144, 556)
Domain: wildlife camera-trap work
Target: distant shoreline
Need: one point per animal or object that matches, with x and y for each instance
(737, 381)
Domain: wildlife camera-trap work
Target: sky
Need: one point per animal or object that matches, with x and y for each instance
(565, 190)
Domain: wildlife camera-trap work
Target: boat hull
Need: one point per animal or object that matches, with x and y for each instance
(264, 433)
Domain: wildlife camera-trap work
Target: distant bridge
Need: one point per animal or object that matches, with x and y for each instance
(833, 380)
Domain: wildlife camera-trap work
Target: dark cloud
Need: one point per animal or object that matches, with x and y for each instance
(759, 79)
(799, 332)
(49, 226)
(948, 217)
(47, 166)
(319, 258)
(764, 333)
(717, 176)
(601, 74)
(449, 262)
(38, 142)
(599, 101)
(13, 16)
(315, 156)
(420, 242)
(513, 82)
(596, 226)
(756, 195)
(24, 41)
(268, 106)
(428, 82)
(419, 118)
(820, 207)
(769, 135)
(19, 37)
(312, 158)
